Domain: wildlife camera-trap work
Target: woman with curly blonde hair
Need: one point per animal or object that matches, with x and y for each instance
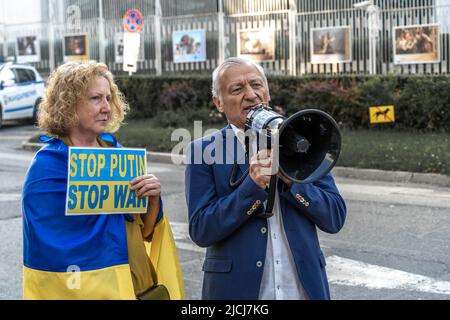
(58, 109)
(82, 106)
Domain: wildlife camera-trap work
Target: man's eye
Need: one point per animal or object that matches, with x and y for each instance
(256, 85)
(236, 90)
(108, 98)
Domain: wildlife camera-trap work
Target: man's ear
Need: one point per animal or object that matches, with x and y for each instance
(218, 104)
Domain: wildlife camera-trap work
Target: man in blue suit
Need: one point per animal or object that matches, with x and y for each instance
(251, 256)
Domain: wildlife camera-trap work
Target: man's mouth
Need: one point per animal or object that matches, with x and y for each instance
(248, 108)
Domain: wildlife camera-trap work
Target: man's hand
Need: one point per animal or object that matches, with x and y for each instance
(261, 168)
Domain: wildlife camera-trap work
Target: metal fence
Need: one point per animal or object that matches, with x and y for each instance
(392, 14)
(222, 20)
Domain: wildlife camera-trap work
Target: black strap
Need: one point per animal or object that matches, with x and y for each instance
(272, 191)
(233, 182)
(268, 212)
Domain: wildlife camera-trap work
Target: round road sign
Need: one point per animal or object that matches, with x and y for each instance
(132, 21)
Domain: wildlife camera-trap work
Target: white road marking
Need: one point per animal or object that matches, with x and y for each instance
(356, 273)
(190, 247)
(9, 138)
(10, 197)
(348, 272)
(180, 231)
(157, 169)
(17, 156)
(27, 157)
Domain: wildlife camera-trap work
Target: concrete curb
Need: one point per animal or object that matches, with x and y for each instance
(344, 172)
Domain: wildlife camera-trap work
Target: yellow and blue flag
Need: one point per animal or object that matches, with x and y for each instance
(81, 257)
(163, 255)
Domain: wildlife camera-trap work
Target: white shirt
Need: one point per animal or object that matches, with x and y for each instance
(280, 278)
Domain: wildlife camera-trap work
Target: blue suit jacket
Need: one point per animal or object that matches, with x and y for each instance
(222, 219)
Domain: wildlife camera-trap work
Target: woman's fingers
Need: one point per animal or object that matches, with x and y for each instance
(146, 186)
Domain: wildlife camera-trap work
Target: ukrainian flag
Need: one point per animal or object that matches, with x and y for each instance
(163, 255)
(81, 257)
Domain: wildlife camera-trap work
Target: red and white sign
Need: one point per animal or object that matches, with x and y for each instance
(132, 21)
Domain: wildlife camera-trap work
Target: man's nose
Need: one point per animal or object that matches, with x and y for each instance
(250, 93)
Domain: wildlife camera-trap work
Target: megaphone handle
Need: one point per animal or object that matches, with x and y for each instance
(271, 197)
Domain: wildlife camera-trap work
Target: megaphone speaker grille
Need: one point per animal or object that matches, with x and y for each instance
(321, 132)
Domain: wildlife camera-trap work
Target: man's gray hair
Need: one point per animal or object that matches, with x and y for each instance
(228, 63)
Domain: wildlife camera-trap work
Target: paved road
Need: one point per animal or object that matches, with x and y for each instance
(394, 245)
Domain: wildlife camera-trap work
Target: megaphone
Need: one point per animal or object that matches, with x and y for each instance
(308, 142)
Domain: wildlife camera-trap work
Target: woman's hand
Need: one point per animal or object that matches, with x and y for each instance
(146, 186)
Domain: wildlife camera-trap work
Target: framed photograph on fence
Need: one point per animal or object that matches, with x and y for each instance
(118, 47)
(257, 44)
(28, 49)
(331, 44)
(189, 46)
(76, 47)
(416, 44)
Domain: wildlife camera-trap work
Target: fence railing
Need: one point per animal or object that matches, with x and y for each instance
(291, 20)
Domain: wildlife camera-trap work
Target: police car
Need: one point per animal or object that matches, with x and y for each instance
(21, 90)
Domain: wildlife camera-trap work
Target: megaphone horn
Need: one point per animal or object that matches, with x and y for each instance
(309, 142)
